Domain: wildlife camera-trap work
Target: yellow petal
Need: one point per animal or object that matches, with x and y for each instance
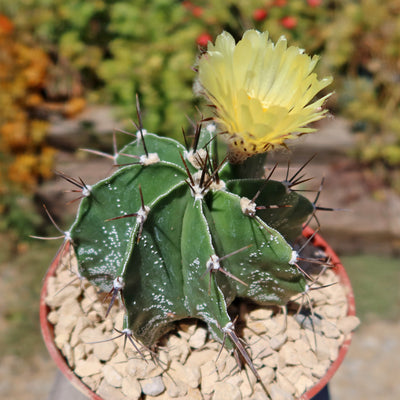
(262, 92)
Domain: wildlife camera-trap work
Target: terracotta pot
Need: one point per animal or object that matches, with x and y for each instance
(317, 241)
(48, 335)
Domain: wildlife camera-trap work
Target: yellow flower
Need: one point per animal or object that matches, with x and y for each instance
(261, 91)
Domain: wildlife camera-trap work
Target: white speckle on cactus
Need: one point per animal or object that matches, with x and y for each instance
(248, 207)
(93, 251)
(195, 262)
(293, 258)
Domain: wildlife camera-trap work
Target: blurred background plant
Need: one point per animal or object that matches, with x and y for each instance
(24, 156)
(124, 47)
(28, 99)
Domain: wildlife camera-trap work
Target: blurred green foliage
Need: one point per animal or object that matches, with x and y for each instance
(124, 47)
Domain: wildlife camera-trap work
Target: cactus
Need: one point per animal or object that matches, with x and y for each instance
(179, 237)
(174, 233)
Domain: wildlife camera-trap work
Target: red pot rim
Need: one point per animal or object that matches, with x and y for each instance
(48, 329)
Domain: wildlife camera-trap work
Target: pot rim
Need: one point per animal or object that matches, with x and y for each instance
(48, 333)
(48, 329)
(340, 271)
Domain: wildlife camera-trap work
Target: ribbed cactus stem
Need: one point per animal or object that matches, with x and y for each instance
(176, 235)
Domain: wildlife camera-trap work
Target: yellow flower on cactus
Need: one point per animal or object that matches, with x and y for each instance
(262, 92)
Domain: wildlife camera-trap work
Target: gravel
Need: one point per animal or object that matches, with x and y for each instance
(288, 358)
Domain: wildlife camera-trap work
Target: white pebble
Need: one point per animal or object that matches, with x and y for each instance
(153, 386)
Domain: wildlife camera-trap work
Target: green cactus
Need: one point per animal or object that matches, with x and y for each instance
(177, 236)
